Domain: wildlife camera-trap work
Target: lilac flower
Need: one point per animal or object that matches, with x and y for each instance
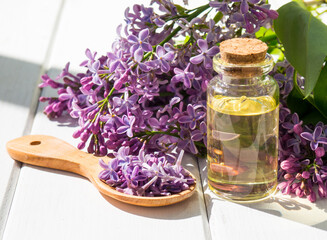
(48, 82)
(291, 165)
(198, 135)
(306, 174)
(188, 26)
(109, 174)
(127, 126)
(164, 58)
(90, 56)
(205, 54)
(295, 125)
(139, 43)
(130, 102)
(222, 6)
(145, 174)
(270, 13)
(314, 138)
(213, 31)
(159, 124)
(283, 113)
(94, 68)
(122, 105)
(123, 79)
(253, 16)
(116, 61)
(183, 76)
(192, 117)
(187, 143)
(295, 143)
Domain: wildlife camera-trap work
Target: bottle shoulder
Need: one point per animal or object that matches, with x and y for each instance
(260, 86)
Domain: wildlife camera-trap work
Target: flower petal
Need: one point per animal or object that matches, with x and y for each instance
(317, 132)
(165, 67)
(322, 140)
(122, 129)
(307, 136)
(203, 45)
(244, 6)
(144, 34)
(132, 39)
(191, 111)
(192, 125)
(160, 51)
(138, 55)
(153, 122)
(187, 81)
(169, 56)
(103, 164)
(146, 47)
(184, 119)
(197, 135)
(213, 51)
(197, 59)
(207, 62)
(313, 145)
(203, 127)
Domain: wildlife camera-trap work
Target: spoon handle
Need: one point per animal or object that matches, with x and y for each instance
(51, 152)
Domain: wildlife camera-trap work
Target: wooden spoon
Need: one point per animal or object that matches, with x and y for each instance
(51, 152)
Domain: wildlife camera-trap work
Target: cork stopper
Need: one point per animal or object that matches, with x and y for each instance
(243, 51)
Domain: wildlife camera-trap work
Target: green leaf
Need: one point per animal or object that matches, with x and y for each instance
(306, 111)
(313, 117)
(265, 34)
(277, 54)
(180, 9)
(187, 38)
(218, 17)
(320, 91)
(305, 41)
(301, 3)
(297, 104)
(305, 107)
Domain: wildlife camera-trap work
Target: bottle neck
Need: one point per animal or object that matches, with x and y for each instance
(245, 74)
(240, 81)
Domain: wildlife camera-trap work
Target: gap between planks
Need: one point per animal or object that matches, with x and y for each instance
(15, 172)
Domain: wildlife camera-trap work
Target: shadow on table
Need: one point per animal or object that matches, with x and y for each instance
(289, 207)
(18, 80)
(181, 210)
(64, 121)
(18, 86)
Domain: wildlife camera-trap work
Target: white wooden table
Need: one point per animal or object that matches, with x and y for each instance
(39, 37)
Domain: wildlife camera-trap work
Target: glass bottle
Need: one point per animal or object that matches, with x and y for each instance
(242, 120)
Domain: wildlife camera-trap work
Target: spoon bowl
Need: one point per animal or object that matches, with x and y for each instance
(51, 152)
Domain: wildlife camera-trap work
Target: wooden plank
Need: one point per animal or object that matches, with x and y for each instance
(283, 214)
(51, 204)
(26, 29)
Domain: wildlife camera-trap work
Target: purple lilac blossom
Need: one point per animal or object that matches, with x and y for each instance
(148, 95)
(205, 54)
(145, 174)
